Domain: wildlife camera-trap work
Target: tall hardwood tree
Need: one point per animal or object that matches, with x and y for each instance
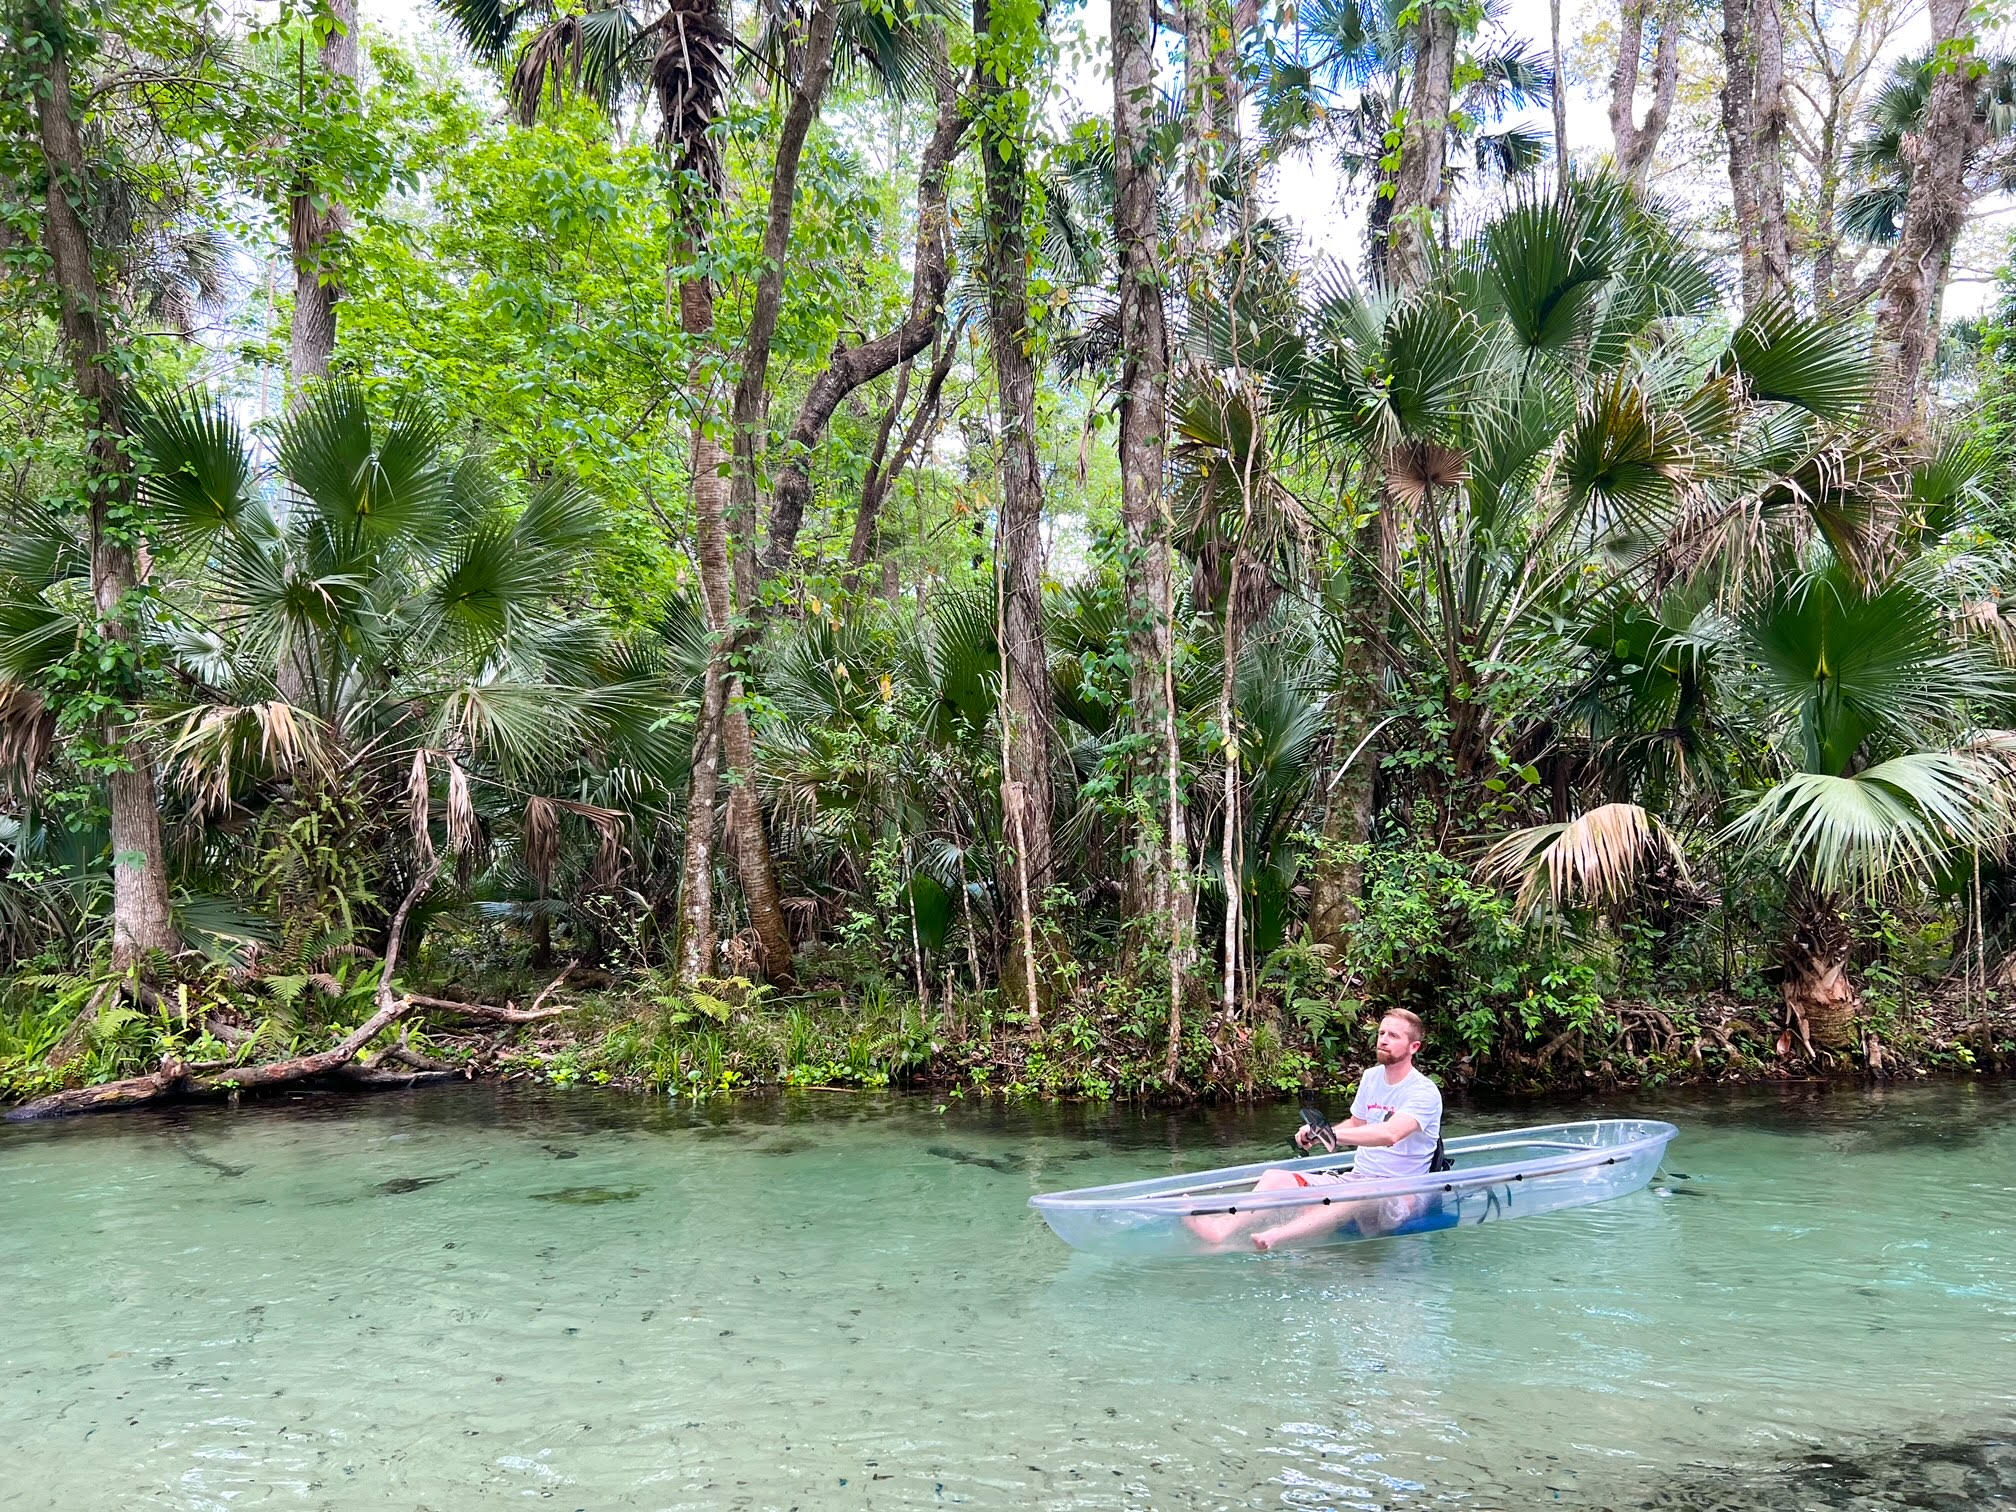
(1419, 181)
(1159, 886)
(1754, 114)
(809, 58)
(1027, 714)
(316, 220)
(141, 919)
(1637, 141)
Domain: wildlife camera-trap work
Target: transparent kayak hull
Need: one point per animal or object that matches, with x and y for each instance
(1516, 1173)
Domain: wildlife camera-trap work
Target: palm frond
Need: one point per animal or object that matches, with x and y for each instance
(1596, 857)
(1823, 366)
(1902, 820)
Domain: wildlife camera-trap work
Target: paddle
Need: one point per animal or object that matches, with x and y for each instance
(1319, 1130)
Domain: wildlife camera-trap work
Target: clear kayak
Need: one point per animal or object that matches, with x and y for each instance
(1512, 1174)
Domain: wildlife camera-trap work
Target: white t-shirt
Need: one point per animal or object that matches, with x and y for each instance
(1377, 1101)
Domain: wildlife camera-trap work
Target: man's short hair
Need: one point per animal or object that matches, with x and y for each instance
(1411, 1019)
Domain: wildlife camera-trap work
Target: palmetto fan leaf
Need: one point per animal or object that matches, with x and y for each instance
(1845, 664)
(199, 480)
(1819, 365)
(594, 51)
(1903, 819)
(370, 482)
(38, 550)
(1624, 465)
(1544, 269)
(487, 26)
(886, 42)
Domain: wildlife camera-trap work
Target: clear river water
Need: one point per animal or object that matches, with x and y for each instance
(481, 1296)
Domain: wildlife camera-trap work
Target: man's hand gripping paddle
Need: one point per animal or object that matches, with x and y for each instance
(1320, 1133)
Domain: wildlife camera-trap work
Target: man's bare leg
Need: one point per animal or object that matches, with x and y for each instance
(1373, 1215)
(1216, 1228)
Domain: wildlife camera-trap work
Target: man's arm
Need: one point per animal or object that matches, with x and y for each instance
(1307, 1140)
(1379, 1135)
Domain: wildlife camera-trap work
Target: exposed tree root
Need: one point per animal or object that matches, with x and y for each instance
(176, 1079)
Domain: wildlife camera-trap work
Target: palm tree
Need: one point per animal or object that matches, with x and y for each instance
(1878, 712)
(1347, 75)
(379, 622)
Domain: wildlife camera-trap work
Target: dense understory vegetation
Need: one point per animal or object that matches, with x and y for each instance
(800, 554)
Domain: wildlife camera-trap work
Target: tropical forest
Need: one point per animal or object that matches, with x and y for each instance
(1071, 551)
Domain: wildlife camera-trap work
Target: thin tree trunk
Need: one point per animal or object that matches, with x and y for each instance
(753, 863)
(141, 920)
(1228, 846)
(1636, 144)
(1026, 796)
(1418, 182)
(882, 474)
(1774, 220)
(693, 950)
(1558, 93)
(314, 230)
(1159, 890)
(1938, 154)
(851, 367)
(1739, 133)
(1200, 134)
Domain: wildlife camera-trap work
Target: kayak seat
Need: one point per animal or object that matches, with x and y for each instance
(1440, 1160)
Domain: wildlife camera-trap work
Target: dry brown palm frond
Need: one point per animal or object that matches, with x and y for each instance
(542, 839)
(1848, 491)
(1596, 857)
(462, 823)
(26, 728)
(418, 788)
(1415, 470)
(608, 824)
(291, 738)
(1993, 619)
(213, 746)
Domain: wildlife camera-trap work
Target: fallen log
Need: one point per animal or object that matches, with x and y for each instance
(120, 1094)
(174, 1078)
(510, 1013)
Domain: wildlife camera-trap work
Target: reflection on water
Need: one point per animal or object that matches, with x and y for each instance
(436, 1298)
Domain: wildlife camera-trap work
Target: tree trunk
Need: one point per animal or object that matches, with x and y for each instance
(851, 367)
(1754, 126)
(1774, 225)
(1200, 134)
(1159, 889)
(814, 55)
(1418, 181)
(1557, 93)
(141, 920)
(1938, 154)
(693, 951)
(884, 470)
(1820, 1000)
(1637, 144)
(1027, 715)
(312, 231)
(1739, 134)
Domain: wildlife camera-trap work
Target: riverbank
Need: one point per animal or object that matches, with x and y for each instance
(733, 1035)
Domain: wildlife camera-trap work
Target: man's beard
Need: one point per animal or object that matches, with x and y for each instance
(1386, 1057)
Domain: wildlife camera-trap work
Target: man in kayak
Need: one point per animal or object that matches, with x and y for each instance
(1396, 1119)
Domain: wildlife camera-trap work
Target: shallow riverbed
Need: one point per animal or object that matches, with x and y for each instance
(477, 1295)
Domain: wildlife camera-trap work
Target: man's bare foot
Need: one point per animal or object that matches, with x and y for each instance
(1263, 1242)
